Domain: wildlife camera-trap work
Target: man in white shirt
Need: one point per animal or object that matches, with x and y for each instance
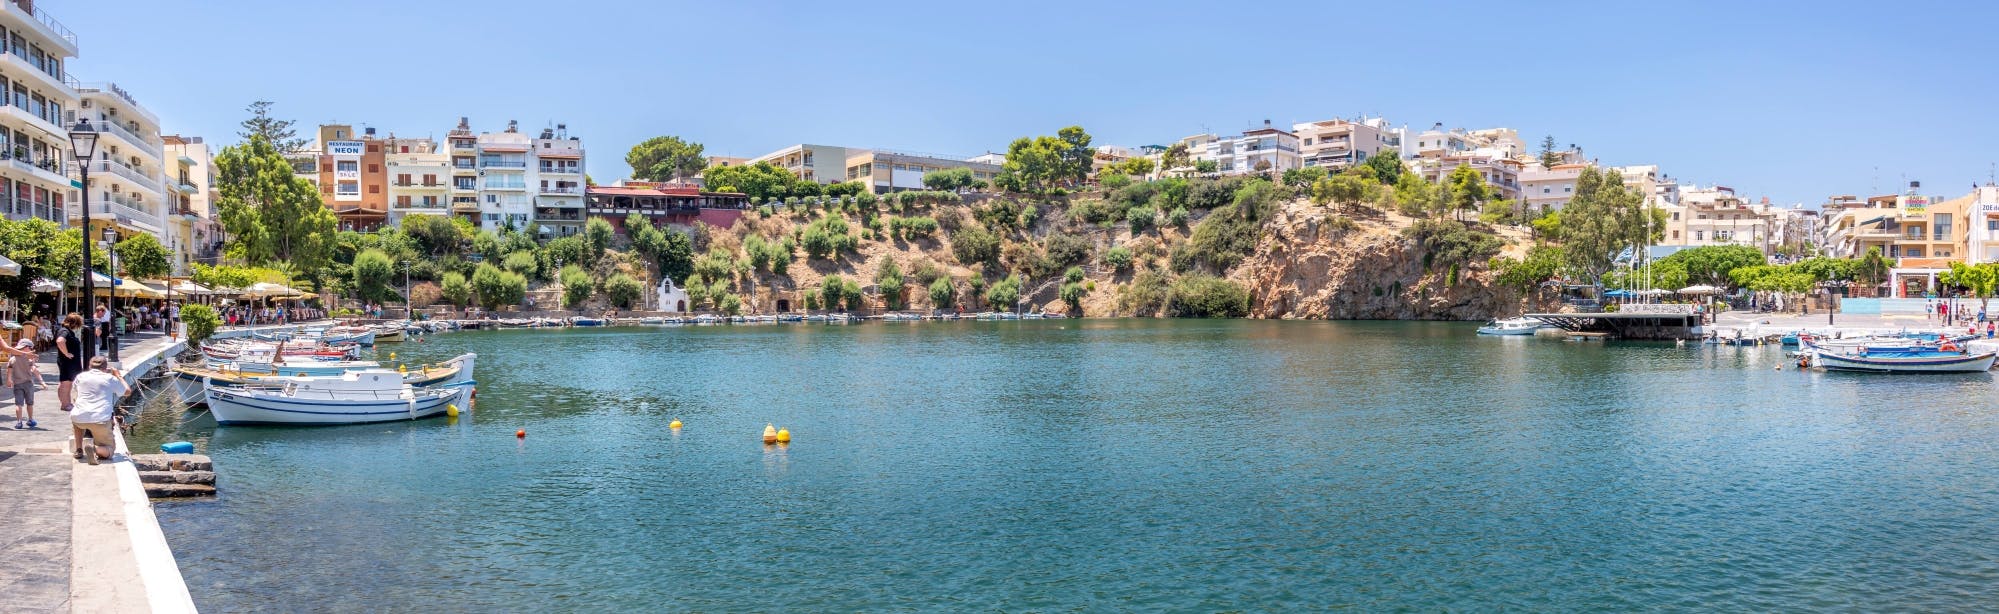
(97, 393)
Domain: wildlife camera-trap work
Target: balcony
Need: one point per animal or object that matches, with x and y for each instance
(45, 169)
(464, 147)
(127, 173)
(560, 170)
(59, 81)
(151, 146)
(420, 206)
(509, 187)
(24, 209)
(465, 206)
(17, 108)
(562, 190)
(558, 215)
(124, 211)
(47, 26)
(503, 164)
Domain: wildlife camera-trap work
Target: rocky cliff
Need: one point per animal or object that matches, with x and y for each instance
(1310, 265)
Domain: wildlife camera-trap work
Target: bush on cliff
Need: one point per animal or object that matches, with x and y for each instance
(1450, 243)
(1207, 296)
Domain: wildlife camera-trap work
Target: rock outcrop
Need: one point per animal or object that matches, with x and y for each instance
(1311, 265)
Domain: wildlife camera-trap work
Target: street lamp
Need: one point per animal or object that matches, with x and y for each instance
(83, 145)
(111, 302)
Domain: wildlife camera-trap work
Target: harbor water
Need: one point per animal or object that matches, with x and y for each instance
(1112, 465)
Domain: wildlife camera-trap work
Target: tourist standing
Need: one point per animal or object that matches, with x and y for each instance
(1943, 313)
(21, 376)
(69, 360)
(97, 394)
(103, 324)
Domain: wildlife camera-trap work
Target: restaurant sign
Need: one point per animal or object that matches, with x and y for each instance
(344, 148)
(1914, 204)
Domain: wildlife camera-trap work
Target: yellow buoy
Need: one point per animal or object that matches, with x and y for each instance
(783, 436)
(770, 433)
(674, 425)
(451, 410)
(392, 355)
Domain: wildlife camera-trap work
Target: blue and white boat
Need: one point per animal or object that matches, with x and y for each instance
(1512, 326)
(1905, 361)
(583, 321)
(355, 397)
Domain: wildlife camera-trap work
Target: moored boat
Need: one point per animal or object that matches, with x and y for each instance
(1905, 361)
(1512, 326)
(355, 397)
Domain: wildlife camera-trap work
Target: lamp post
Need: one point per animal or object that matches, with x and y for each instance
(111, 302)
(83, 145)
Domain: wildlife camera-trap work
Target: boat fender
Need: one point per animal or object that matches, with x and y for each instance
(451, 410)
(177, 447)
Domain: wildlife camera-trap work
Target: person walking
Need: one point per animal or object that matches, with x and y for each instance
(69, 360)
(103, 328)
(98, 392)
(22, 377)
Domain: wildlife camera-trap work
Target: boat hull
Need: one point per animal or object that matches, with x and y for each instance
(238, 406)
(1960, 363)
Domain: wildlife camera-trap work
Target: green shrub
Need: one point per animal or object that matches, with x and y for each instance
(732, 304)
(623, 291)
(1118, 258)
(972, 245)
(1206, 296)
(1452, 243)
(826, 237)
(576, 286)
(1067, 249)
(1073, 275)
(455, 289)
(496, 287)
(1178, 218)
(1145, 296)
(200, 319)
(942, 293)
(1114, 181)
(1072, 294)
(1004, 295)
(1141, 218)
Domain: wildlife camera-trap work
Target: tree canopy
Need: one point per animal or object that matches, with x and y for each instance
(142, 257)
(1712, 264)
(269, 213)
(1605, 221)
(278, 132)
(759, 180)
(665, 158)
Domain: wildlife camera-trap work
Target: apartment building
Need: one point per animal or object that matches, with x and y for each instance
(350, 170)
(36, 91)
(821, 163)
(419, 177)
(1502, 175)
(1544, 189)
(1339, 143)
(128, 191)
(1982, 224)
(502, 184)
(1261, 150)
(556, 172)
(1438, 142)
(193, 235)
(1850, 225)
(888, 171)
(462, 148)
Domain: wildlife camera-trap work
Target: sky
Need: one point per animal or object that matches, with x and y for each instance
(1793, 101)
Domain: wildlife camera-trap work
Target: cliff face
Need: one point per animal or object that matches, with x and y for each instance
(1308, 266)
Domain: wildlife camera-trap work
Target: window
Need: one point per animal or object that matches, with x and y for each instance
(1992, 224)
(1676, 236)
(1699, 235)
(338, 134)
(374, 168)
(346, 166)
(1543, 191)
(1565, 189)
(401, 201)
(1676, 217)
(401, 179)
(372, 189)
(406, 149)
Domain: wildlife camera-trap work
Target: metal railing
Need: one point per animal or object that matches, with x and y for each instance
(123, 171)
(47, 21)
(554, 170)
(561, 190)
(21, 160)
(112, 127)
(502, 164)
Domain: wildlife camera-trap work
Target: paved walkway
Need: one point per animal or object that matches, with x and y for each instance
(56, 505)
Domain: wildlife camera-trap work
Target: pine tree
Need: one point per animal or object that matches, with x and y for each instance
(278, 131)
(1548, 156)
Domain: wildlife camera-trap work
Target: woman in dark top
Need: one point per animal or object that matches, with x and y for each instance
(69, 358)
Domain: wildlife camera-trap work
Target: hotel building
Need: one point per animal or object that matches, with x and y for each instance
(128, 193)
(193, 235)
(37, 94)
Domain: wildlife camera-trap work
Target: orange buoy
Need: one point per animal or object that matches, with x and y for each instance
(521, 434)
(770, 433)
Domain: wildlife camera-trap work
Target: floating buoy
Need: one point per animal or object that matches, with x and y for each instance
(783, 436)
(770, 433)
(521, 434)
(451, 410)
(675, 425)
(392, 355)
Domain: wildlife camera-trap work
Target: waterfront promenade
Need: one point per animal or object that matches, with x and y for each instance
(83, 538)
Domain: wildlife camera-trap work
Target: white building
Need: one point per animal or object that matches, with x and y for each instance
(1548, 189)
(127, 188)
(34, 136)
(193, 235)
(1339, 143)
(556, 173)
(419, 178)
(1982, 229)
(1265, 149)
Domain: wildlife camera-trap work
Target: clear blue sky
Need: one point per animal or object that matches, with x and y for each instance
(1791, 100)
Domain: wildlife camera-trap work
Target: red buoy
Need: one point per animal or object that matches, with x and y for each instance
(521, 434)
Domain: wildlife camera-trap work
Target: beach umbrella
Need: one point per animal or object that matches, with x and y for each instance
(191, 288)
(45, 286)
(1701, 289)
(9, 267)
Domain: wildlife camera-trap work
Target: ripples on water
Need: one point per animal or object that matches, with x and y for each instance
(1114, 465)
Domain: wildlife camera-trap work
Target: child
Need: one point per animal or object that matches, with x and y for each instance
(22, 377)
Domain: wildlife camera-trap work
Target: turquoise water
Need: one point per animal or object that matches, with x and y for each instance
(1114, 465)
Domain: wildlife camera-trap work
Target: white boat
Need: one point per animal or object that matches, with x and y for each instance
(190, 381)
(1512, 326)
(1915, 361)
(707, 318)
(584, 321)
(355, 397)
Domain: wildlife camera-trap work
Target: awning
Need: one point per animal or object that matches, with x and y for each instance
(129, 288)
(1702, 289)
(264, 289)
(9, 267)
(191, 288)
(45, 286)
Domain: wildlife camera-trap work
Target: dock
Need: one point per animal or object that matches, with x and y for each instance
(1636, 321)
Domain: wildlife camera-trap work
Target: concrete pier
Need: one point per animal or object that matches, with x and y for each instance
(83, 538)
